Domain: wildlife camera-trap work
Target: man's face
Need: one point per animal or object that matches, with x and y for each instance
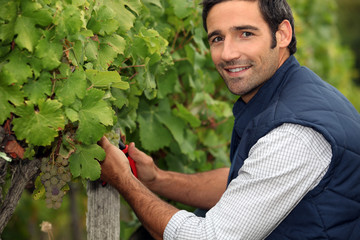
(240, 44)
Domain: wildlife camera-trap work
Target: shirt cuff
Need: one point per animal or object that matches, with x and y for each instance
(175, 223)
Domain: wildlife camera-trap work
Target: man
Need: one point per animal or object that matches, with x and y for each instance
(295, 151)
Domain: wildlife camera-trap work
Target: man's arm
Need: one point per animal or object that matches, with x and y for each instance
(152, 212)
(201, 190)
(282, 167)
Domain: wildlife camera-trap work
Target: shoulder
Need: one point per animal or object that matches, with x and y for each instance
(293, 141)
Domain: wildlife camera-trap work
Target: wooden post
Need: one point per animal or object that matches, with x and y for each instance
(103, 216)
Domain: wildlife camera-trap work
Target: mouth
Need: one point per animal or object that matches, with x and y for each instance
(236, 70)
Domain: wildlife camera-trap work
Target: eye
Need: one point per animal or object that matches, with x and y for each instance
(247, 34)
(216, 39)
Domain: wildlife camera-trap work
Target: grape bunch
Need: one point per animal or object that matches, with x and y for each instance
(113, 137)
(55, 175)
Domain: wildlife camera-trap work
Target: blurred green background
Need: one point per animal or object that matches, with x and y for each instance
(328, 34)
(349, 29)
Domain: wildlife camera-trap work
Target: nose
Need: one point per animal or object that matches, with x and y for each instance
(230, 50)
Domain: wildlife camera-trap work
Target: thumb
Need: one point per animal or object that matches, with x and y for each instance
(135, 153)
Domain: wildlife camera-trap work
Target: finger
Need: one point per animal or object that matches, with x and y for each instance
(104, 142)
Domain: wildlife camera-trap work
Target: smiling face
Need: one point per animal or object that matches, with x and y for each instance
(240, 44)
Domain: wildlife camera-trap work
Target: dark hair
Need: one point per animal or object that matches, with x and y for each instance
(273, 11)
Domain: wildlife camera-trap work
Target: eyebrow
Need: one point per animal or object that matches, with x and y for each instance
(235, 29)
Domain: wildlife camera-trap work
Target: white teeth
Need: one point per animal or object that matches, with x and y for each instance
(237, 69)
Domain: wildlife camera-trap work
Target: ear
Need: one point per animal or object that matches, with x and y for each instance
(284, 34)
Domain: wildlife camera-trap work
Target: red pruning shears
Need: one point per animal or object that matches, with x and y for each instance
(125, 148)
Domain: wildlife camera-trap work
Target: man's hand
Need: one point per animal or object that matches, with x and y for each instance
(145, 166)
(115, 168)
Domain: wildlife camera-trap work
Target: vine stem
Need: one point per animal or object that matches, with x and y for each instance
(134, 75)
(180, 59)
(174, 41)
(133, 66)
(20, 178)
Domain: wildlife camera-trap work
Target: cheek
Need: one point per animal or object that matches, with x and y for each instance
(214, 60)
(215, 56)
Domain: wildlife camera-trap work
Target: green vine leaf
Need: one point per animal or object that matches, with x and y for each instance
(148, 42)
(174, 124)
(34, 10)
(39, 125)
(155, 2)
(74, 86)
(125, 17)
(36, 90)
(28, 34)
(185, 114)
(117, 42)
(91, 50)
(104, 22)
(84, 162)
(9, 96)
(7, 32)
(8, 12)
(94, 115)
(106, 55)
(50, 53)
(134, 5)
(16, 70)
(151, 127)
(166, 83)
(106, 79)
(183, 8)
(69, 21)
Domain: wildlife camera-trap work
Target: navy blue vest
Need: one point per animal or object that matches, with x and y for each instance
(297, 95)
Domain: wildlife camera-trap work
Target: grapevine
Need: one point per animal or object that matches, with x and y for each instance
(66, 69)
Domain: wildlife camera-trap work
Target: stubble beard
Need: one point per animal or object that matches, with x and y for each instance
(243, 89)
(237, 85)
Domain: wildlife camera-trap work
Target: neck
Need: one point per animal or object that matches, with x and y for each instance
(284, 54)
